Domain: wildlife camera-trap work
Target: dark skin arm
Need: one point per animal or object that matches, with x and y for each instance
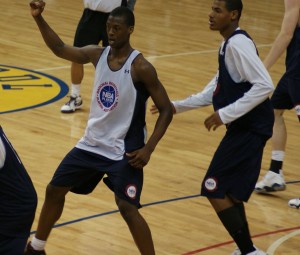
(82, 55)
(144, 73)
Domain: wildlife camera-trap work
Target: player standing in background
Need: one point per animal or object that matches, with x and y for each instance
(18, 200)
(114, 141)
(286, 95)
(240, 95)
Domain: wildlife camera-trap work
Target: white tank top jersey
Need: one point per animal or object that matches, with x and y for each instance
(116, 107)
(102, 5)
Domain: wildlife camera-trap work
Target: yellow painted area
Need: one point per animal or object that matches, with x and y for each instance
(20, 88)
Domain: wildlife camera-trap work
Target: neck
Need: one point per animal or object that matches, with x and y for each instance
(228, 32)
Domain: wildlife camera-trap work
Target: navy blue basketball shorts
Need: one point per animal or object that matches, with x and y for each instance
(91, 29)
(235, 166)
(12, 245)
(82, 171)
(286, 94)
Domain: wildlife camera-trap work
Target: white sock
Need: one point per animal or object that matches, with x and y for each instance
(75, 89)
(37, 244)
(252, 253)
(278, 155)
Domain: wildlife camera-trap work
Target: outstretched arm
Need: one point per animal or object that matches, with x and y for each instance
(289, 23)
(195, 101)
(59, 48)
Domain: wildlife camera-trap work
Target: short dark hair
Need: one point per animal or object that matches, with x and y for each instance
(232, 5)
(126, 13)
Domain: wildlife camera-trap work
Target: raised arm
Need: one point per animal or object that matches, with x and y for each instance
(59, 48)
(289, 23)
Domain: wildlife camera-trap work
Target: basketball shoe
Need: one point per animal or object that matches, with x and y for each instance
(257, 252)
(72, 105)
(295, 203)
(271, 182)
(30, 251)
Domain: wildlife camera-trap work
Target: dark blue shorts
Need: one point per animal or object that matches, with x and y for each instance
(12, 245)
(235, 167)
(91, 29)
(286, 94)
(82, 171)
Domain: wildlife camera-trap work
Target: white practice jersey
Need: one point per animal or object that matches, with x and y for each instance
(117, 115)
(102, 5)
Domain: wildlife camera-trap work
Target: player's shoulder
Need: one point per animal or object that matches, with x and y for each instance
(141, 63)
(240, 38)
(241, 42)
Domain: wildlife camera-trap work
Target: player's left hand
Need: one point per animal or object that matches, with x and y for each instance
(213, 121)
(140, 158)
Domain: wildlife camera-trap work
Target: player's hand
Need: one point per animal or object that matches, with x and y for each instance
(154, 109)
(37, 7)
(139, 158)
(213, 121)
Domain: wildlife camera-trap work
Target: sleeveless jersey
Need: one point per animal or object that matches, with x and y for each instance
(117, 115)
(18, 198)
(260, 119)
(292, 60)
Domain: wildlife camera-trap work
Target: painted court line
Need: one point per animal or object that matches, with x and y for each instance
(276, 244)
(272, 248)
(157, 57)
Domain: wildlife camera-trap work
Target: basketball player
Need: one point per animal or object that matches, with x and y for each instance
(18, 200)
(286, 95)
(114, 140)
(240, 95)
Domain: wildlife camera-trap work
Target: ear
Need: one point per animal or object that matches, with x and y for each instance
(234, 15)
(131, 29)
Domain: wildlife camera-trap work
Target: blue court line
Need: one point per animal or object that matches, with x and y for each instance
(116, 211)
(145, 205)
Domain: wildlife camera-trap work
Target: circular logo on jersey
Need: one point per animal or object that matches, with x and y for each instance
(107, 96)
(131, 191)
(23, 89)
(210, 184)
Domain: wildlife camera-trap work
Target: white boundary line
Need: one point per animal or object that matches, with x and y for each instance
(271, 250)
(155, 57)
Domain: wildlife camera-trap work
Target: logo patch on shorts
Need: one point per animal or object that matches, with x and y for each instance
(131, 191)
(211, 184)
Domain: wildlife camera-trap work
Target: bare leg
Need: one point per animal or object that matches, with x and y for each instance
(220, 204)
(77, 73)
(51, 211)
(279, 137)
(138, 227)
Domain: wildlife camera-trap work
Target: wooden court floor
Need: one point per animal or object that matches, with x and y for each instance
(174, 36)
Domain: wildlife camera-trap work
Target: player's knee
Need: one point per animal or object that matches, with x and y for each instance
(127, 210)
(55, 194)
